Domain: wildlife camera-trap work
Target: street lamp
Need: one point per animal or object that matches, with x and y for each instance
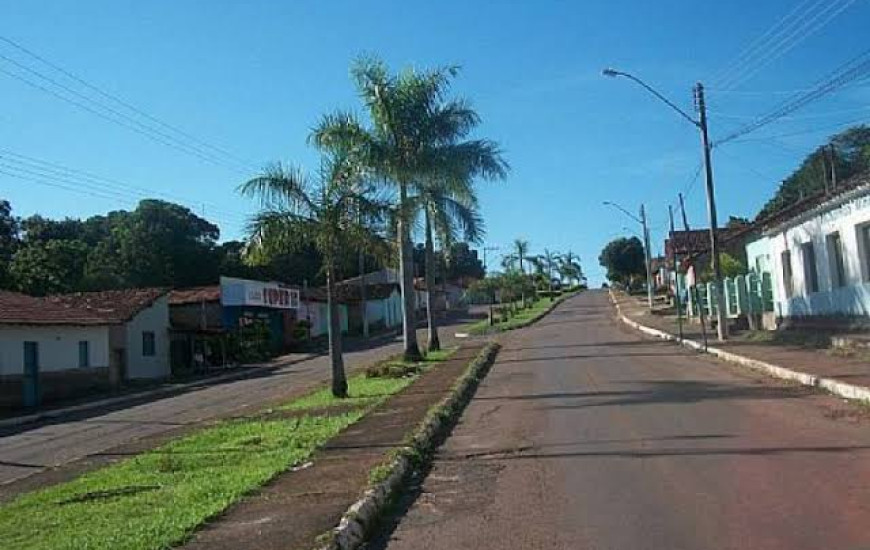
(701, 124)
(646, 247)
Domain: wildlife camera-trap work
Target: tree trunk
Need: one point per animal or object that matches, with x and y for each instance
(434, 343)
(406, 271)
(362, 295)
(339, 380)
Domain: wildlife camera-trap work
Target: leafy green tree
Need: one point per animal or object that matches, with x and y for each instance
(165, 244)
(415, 137)
(623, 259)
(851, 156)
(296, 211)
(8, 241)
(730, 266)
(49, 267)
(463, 263)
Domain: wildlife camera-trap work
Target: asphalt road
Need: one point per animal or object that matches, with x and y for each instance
(35, 449)
(585, 436)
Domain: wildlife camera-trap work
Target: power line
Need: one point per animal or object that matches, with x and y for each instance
(825, 128)
(72, 174)
(119, 100)
(853, 69)
(816, 23)
(787, 38)
(55, 178)
(110, 119)
(758, 42)
(115, 116)
(827, 114)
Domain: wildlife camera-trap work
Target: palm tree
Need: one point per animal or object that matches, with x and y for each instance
(546, 263)
(520, 253)
(416, 138)
(296, 212)
(569, 267)
(448, 207)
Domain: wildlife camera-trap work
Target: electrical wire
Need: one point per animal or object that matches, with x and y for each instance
(111, 114)
(72, 174)
(762, 43)
(801, 23)
(46, 177)
(856, 68)
(120, 101)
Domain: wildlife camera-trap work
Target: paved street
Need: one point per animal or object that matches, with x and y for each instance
(31, 450)
(585, 436)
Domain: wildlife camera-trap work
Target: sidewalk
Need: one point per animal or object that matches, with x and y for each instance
(844, 376)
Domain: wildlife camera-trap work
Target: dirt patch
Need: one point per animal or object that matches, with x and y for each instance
(297, 507)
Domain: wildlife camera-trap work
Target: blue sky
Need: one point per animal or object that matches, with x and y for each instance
(253, 77)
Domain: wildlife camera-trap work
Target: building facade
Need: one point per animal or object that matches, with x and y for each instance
(61, 346)
(820, 257)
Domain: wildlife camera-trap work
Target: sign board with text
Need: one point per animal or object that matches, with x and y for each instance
(244, 292)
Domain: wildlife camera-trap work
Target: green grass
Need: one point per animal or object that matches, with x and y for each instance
(523, 316)
(158, 498)
(365, 391)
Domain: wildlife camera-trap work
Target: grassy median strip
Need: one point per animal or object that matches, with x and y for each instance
(158, 498)
(522, 317)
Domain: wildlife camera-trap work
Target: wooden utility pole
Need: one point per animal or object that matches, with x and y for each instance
(832, 156)
(683, 211)
(721, 317)
(676, 263)
(648, 253)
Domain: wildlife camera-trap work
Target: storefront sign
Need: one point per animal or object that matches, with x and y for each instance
(243, 292)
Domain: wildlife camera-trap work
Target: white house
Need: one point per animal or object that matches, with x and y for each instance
(819, 254)
(56, 347)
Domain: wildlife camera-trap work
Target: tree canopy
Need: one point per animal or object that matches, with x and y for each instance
(851, 156)
(623, 258)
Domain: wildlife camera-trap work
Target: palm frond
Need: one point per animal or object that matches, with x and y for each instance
(280, 187)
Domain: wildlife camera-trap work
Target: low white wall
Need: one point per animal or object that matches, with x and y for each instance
(58, 347)
(153, 319)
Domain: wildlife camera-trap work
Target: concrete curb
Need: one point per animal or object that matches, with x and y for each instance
(163, 390)
(365, 513)
(840, 389)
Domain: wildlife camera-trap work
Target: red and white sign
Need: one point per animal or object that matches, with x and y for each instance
(244, 292)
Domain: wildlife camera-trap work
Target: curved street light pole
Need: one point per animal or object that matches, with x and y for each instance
(701, 124)
(647, 256)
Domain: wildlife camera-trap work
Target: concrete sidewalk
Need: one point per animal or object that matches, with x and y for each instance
(843, 376)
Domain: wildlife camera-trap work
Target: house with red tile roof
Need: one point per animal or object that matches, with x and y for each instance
(57, 347)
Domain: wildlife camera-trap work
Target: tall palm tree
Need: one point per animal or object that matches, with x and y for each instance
(520, 252)
(415, 138)
(296, 212)
(448, 207)
(546, 262)
(569, 267)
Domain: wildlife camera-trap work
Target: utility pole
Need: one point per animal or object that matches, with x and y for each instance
(833, 158)
(683, 210)
(721, 317)
(676, 262)
(647, 253)
(492, 290)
